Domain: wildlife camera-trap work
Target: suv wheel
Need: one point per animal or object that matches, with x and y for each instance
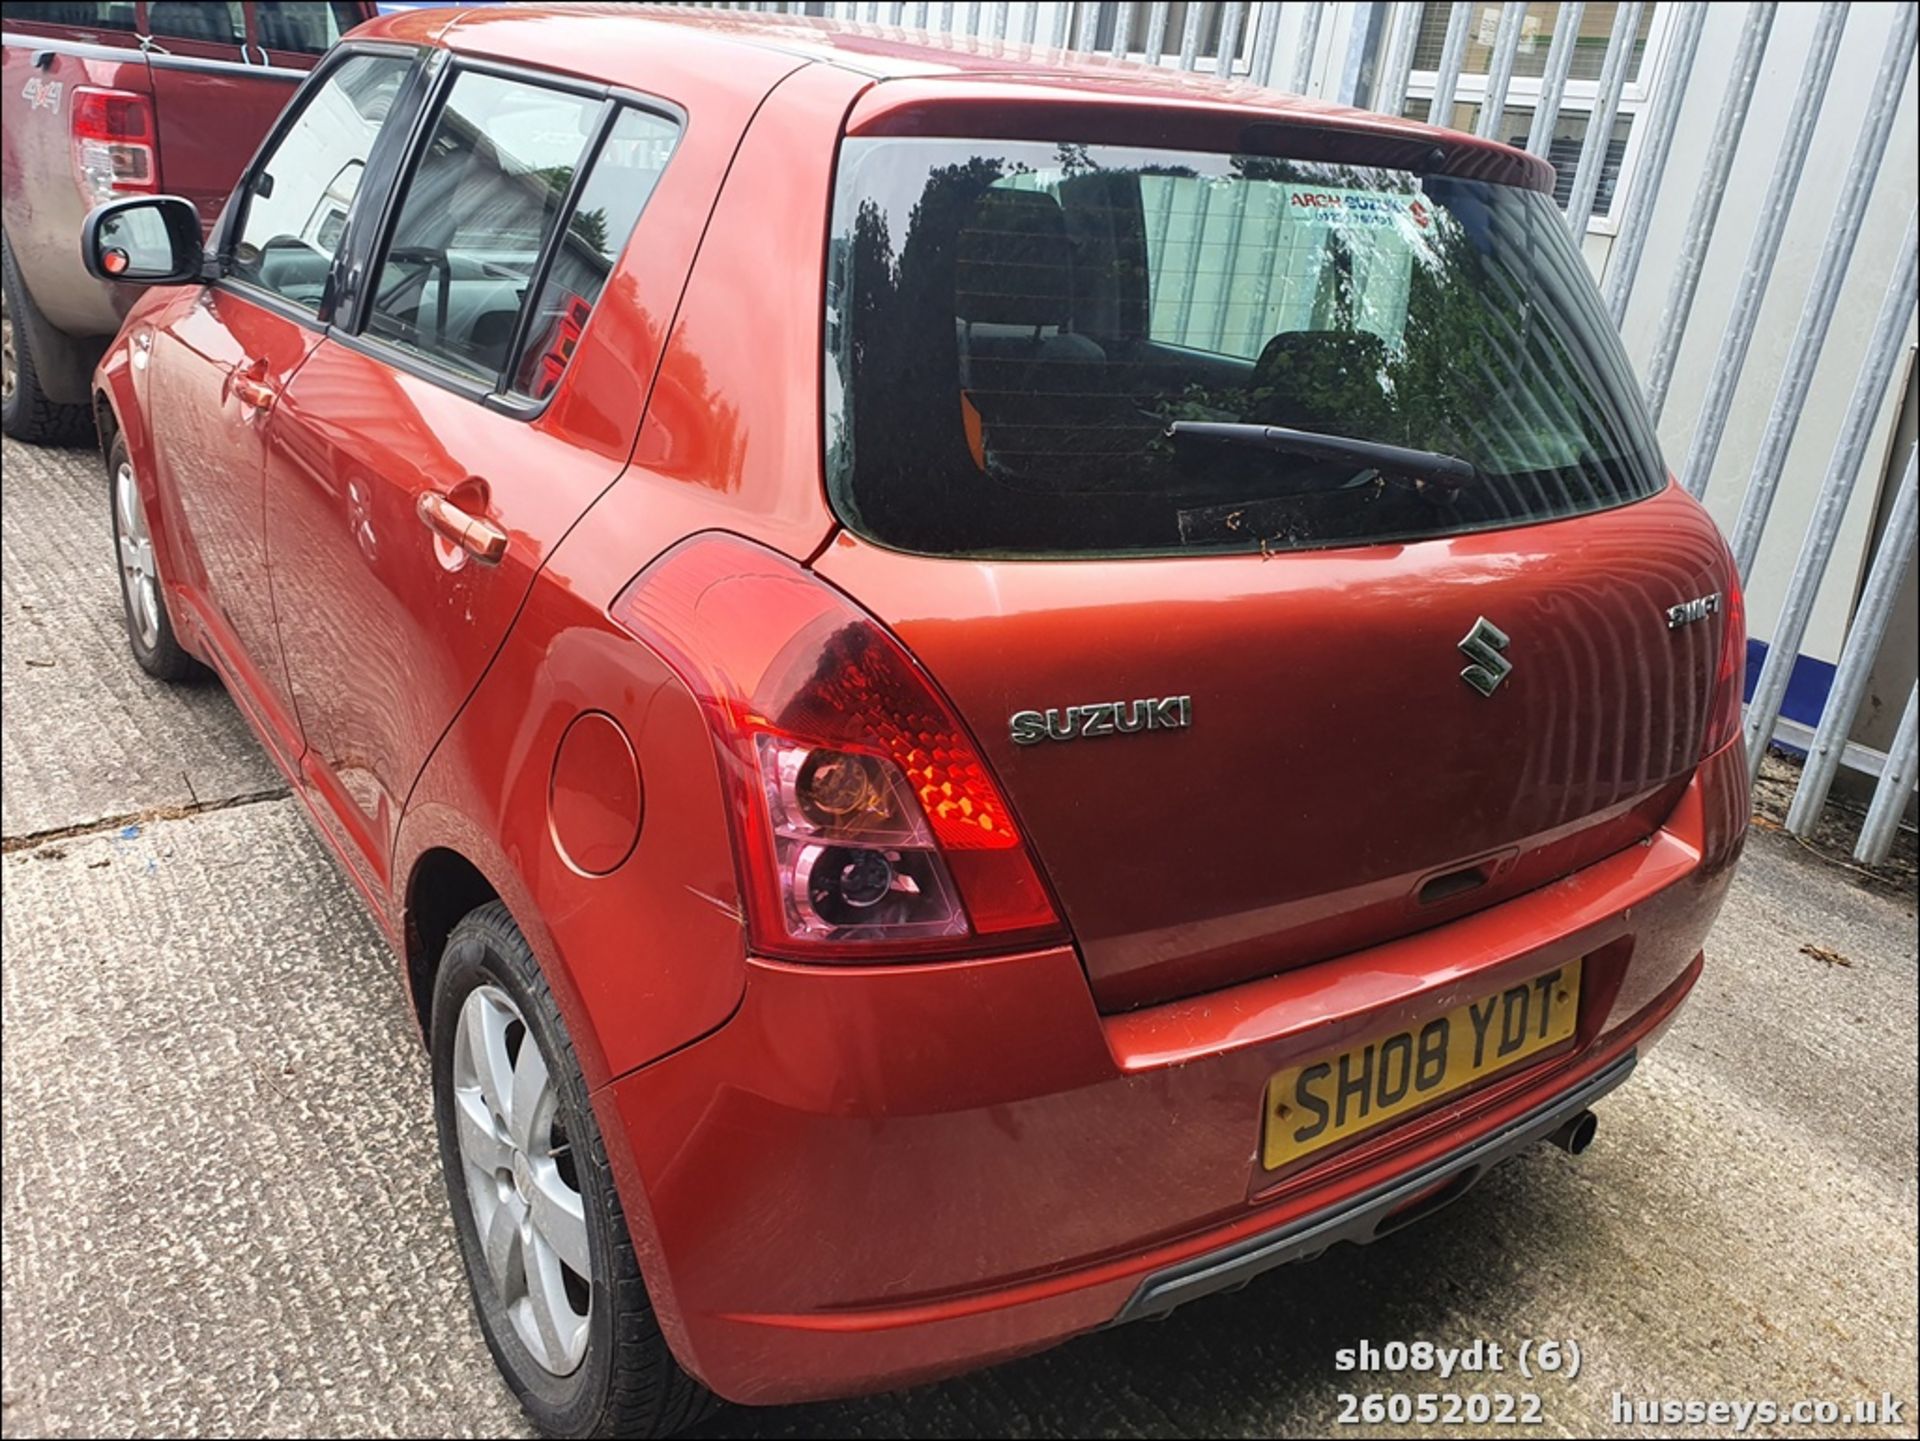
(25, 412)
(558, 1291)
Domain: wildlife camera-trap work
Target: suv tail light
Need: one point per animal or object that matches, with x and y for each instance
(113, 144)
(866, 822)
(1730, 679)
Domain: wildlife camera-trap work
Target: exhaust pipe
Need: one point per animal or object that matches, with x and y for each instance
(1576, 1133)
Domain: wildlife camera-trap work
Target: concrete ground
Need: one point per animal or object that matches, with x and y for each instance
(222, 1211)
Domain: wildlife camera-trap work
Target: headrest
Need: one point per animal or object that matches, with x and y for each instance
(1013, 261)
(1319, 377)
(1323, 351)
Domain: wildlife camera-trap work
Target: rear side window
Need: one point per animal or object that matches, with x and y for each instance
(481, 274)
(485, 195)
(78, 14)
(1078, 349)
(208, 20)
(307, 27)
(615, 192)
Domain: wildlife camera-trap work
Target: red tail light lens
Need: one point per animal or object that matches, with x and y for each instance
(865, 818)
(1730, 681)
(113, 144)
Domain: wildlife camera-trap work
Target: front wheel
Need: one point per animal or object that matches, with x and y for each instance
(559, 1294)
(142, 598)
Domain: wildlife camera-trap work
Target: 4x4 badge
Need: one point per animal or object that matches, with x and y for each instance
(1483, 646)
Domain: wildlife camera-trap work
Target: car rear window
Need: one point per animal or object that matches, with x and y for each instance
(1051, 348)
(101, 15)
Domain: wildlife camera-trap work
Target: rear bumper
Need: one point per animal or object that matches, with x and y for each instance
(874, 1177)
(1372, 1214)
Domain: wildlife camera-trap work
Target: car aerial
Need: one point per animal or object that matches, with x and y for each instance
(123, 97)
(980, 694)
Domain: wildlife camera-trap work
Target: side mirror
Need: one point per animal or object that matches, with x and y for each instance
(144, 240)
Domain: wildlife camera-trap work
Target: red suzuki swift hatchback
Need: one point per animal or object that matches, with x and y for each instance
(981, 693)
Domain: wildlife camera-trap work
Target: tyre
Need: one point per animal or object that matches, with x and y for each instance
(551, 1265)
(25, 412)
(143, 599)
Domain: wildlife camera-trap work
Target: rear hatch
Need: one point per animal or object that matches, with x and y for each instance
(1290, 534)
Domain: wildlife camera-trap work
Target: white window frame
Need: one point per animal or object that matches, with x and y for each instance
(1205, 62)
(1579, 98)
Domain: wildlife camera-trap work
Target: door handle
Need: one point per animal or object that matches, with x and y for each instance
(481, 539)
(255, 393)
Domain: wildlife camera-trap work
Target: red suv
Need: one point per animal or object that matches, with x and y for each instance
(979, 696)
(123, 97)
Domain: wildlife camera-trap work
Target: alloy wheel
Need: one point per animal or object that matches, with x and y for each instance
(518, 1164)
(138, 575)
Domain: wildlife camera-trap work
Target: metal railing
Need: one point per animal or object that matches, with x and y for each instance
(1384, 53)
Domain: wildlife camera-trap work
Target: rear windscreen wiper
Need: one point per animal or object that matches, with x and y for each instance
(1396, 458)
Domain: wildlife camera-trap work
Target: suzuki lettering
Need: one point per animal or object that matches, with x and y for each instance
(1107, 718)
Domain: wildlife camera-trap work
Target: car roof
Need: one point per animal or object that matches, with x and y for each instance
(625, 46)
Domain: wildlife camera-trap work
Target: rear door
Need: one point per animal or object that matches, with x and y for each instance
(419, 467)
(1388, 644)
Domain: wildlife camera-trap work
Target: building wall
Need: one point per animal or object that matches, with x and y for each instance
(1808, 224)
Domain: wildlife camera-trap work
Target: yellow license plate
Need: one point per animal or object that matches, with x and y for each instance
(1325, 1101)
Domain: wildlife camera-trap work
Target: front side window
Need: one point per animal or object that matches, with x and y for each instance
(1050, 348)
(485, 196)
(297, 202)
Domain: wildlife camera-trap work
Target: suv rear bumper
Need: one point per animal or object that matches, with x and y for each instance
(877, 1176)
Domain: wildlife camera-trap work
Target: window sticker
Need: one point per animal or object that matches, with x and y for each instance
(1328, 205)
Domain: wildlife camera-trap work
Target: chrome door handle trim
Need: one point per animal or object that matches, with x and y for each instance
(481, 539)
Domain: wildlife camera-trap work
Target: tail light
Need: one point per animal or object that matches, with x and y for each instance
(1730, 678)
(866, 822)
(113, 144)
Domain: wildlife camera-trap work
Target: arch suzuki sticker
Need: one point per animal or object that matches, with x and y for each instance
(1335, 205)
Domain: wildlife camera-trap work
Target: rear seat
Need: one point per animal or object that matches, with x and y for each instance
(1020, 362)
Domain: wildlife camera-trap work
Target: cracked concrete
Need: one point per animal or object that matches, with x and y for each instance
(220, 1205)
(136, 818)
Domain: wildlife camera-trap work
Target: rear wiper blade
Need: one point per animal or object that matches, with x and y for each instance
(1396, 458)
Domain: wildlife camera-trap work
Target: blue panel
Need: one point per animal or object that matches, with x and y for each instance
(1807, 686)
